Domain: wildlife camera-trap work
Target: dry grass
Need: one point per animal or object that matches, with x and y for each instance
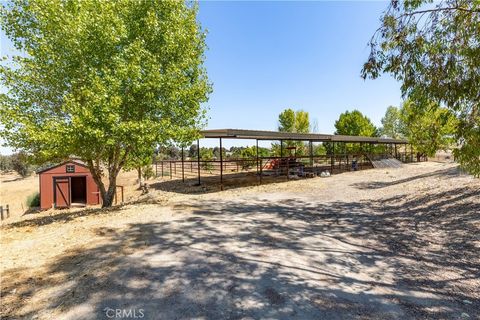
(14, 191)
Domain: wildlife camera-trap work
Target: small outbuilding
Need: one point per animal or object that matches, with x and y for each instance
(68, 184)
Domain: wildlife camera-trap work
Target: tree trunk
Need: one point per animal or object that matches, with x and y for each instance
(139, 171)
(107, 194)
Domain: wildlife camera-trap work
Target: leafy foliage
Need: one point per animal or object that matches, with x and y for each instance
(171, 152)
(147, 172)
(33, 200)
(236, 152)
(428, 128)
(286, 121)
(302, 122)
(250, 153)
(216, 152)
(319, 149)
(193, 151)
(19, 163)
(392, 125)
(104, 81)
(354, 123)
(433, 50)
(206, 154)
(293, 121)
(5, 163)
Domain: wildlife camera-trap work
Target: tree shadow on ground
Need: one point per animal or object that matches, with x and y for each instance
(444, 173)
(282, 260)
(68, 215)
(212, 184)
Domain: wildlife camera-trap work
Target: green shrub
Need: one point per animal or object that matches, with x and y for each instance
(147, 172)
(249, 155)
(33, 200)
(206, 154)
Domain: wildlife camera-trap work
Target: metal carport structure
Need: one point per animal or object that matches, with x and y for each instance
(365, 144)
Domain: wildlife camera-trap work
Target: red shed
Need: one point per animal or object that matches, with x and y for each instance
(67, 184)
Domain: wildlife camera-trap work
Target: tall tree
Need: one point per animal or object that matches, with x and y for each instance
(392, 125)
(20, 164)
(428, 128)
(302, 122)
(286, 121)
(193, 151)
(432, 49)
(106, 81)
(293, 121)
(354, 123)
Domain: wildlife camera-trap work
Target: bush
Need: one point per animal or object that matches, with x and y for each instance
(206, 154)
(147, 172)
(33, 200)
(250, 155)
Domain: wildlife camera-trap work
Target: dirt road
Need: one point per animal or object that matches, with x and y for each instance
(383, 244)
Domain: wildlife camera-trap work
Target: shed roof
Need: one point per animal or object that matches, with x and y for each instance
(74, 161)
(277, 135)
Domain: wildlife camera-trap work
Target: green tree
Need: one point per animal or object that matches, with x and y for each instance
(216, 153)
(302, 122)
(295, 122)
(428, 128)
(249, 154)
(20, 164)
(354, 123)
(319, 149)
(236, 152)
(286, 121)
(168, 152)
(193, 151)
(147, 172)
(206, 155)
(5, 163)
(104, 81)
(433, 51)
(392, 125)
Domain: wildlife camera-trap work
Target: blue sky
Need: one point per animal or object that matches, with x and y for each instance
(264, 57)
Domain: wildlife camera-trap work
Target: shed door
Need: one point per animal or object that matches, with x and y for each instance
(61, 192)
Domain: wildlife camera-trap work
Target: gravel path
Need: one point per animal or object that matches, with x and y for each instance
(384, 244)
